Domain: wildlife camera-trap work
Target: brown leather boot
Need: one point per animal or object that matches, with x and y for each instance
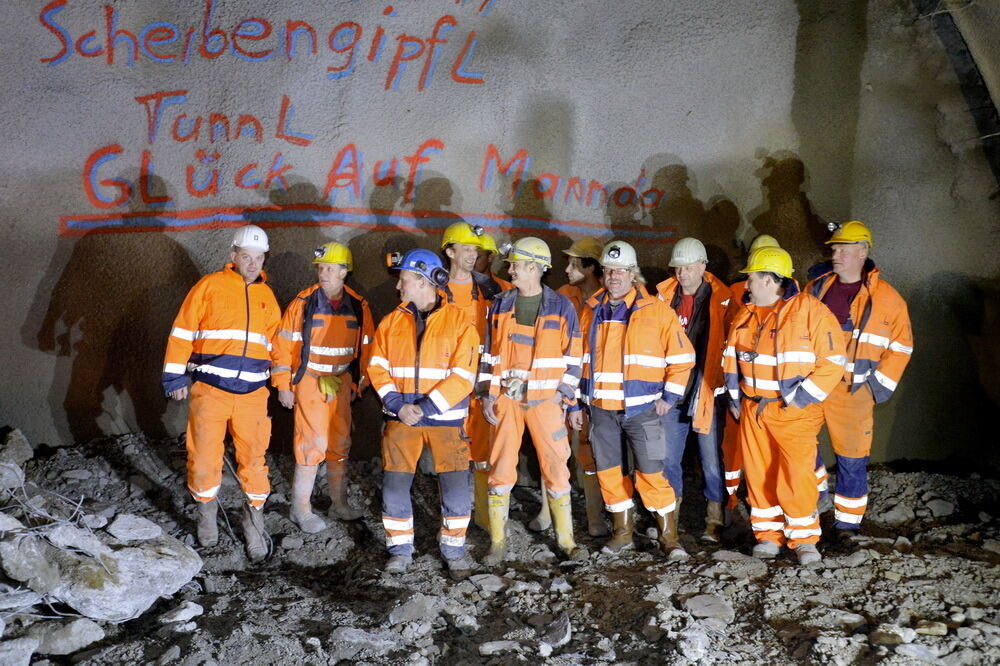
(713, 522)
(596, 526)
(622, 526)
(670, 545)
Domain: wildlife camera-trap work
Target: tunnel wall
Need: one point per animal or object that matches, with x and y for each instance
(378, 125)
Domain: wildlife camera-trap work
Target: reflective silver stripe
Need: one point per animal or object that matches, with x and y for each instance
(872, 339)
(439, 400)
(765, 359)
(731, 476)
(230, 374)
(664, 511)
(175, 368)
(379, 361)
(571, 381)
(281, 368)
(671, 387)
(609, 377)
(538, 384)
(801, 522)
(810, 387)
(256, 496)
(796, 357)
(294, 336)
(393, 524)
(448, 540)
(850, 503)
(607, 394)
(207, 494)
(386, 389)
(645, 361)
(619, 507)
(680, 358)
(464, 374)
(399, 540)
(885, 381)
(454, 523)
(820, 472)
(425, 373)
(766, 384)
(332, 351)
(328, 368)
(182, 333)
(769, 512)
(451, 415)
(549, 363)
(767, 526)
(719, 391)
(233, 334)
(839, 360)
(844, 517)
(632, 401)
(801, 534)
(900, 347)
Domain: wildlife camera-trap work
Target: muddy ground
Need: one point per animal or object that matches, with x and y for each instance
(920, 587)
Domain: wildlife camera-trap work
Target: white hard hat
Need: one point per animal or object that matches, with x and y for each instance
(251, 237)
(618, 254)
(688, 251)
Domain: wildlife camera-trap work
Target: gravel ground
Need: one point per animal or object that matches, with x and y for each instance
(921, 585)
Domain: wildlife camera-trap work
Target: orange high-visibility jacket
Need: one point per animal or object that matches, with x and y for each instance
(634, 354)
(709, 363)
(482, 289)
(796, 353)
(435, 372)
(556, 348)
(313, 338)
(881, 343)
(575, 296)
(222, 334)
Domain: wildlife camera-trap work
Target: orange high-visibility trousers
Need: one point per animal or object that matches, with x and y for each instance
(547, 425)
(732, 461)
(477, 429)
(322, 429)
(211, 412)
(584, 451)
(850, 420)
(779, 462)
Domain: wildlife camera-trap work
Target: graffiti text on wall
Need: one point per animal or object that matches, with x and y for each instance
(346, 47)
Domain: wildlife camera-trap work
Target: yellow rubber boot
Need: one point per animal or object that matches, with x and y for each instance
(480, 505)
(562, 518)
(499, 505)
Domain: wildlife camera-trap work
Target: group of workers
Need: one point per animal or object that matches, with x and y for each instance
(467, 361)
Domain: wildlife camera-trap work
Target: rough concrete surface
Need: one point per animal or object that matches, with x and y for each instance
(772, 117)
(920, 588)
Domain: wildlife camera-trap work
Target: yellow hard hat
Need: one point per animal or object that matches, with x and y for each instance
(334, 253)
(587, 247)
(763, 240)
(488, 243)
(851, 232)
(530, 249)
(769, 260)
(462, 232)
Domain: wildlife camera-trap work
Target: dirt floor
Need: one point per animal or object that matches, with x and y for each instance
(921, 586)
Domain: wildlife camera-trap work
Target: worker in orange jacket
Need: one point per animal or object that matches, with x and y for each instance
(423, 366)
(783, 357)
(636, 363)
(732, 462)
(219, 355)
(700, 300)
(875, 326)
(320, 360)
(530, 371)
(471, 292)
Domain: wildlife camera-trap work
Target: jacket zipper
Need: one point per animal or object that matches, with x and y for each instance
(246, 332)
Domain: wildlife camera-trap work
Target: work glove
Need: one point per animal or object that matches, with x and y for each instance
(329, 385)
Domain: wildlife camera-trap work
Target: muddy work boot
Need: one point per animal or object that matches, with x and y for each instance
(498, 508)
(340, 506)
(543, 520)
(669, 543)
(301, 511)
(766, 550)
(808, 554)
(397, 564)
(562, 517)
(596, 525)
(254, 533)
(459, 568)
(713, 522)
(208, 529)
(622, 526)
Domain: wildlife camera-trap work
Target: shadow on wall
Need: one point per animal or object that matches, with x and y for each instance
(107, 318)
(948, 397)
(786, 212)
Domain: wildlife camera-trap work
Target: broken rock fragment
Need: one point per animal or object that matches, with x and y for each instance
(56, 638)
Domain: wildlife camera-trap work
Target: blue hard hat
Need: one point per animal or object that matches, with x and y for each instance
(422, 262)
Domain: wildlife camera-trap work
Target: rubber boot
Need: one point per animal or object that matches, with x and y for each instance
(499, 505)
(208, 529)
(254, 532)
(596, 525)
(562, 518)
(340, 506)
(543, 520)
(732, 510)
(713, 522)
(302, 488)
(670, 545)
(480, 504)
(622, 525)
